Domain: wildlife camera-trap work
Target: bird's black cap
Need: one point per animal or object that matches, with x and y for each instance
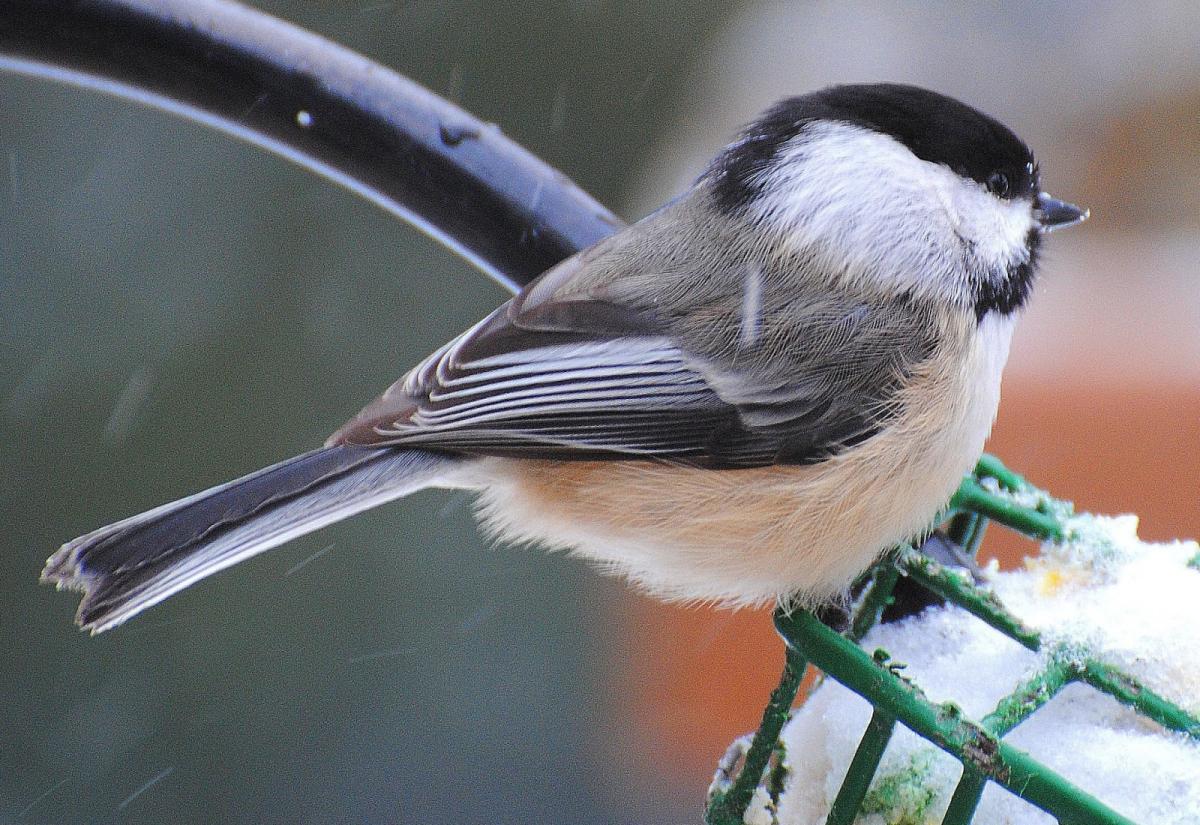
(934, 127)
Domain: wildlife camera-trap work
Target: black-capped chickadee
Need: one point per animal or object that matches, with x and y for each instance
(746, 396)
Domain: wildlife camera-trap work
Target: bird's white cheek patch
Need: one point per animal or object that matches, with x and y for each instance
(907, 227)
(827, 193)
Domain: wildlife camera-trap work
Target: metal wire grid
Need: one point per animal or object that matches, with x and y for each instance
(977, 744)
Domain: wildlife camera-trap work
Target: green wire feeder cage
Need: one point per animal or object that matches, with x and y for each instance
(993, 493)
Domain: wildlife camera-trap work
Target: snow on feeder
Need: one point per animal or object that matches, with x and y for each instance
(1068, 691)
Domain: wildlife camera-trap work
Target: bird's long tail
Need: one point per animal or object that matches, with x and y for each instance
(126, 567)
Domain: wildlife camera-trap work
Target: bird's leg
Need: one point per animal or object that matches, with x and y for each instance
(949, 553)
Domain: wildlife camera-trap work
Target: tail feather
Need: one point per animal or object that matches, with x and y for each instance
(128, 566)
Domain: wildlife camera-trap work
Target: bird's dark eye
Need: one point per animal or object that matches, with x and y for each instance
(997, 184)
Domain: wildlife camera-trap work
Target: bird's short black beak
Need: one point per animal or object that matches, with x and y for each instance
(1055, 214)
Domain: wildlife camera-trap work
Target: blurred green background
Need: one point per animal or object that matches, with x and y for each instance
(177, 309)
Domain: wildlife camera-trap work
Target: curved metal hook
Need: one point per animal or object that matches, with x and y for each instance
(324, 107)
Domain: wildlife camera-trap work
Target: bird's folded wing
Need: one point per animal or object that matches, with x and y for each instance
(566, 373)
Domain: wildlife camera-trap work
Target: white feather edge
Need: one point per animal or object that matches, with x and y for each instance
(603, 375)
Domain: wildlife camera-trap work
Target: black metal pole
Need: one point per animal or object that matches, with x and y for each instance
(322, 106)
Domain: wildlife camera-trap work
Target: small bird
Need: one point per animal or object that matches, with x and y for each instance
(745, 397)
